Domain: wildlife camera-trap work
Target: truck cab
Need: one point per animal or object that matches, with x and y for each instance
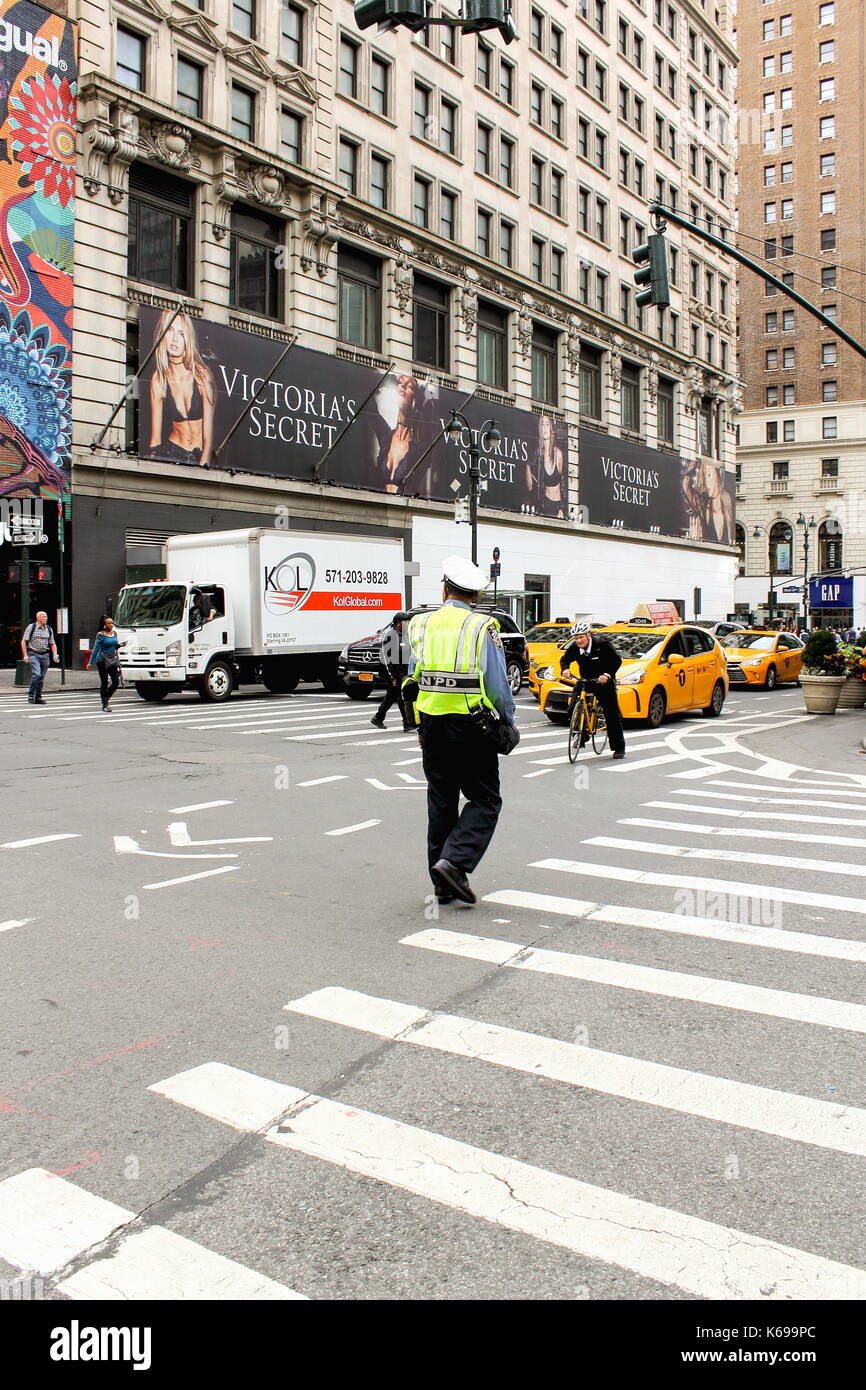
(176, 635)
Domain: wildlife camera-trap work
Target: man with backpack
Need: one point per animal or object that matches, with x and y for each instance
(39, 648)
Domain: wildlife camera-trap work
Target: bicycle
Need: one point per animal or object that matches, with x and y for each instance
(587, 722)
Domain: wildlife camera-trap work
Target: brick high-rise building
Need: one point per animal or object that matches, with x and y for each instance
(801, 201)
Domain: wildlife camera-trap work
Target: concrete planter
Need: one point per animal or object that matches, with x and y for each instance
(853, 694)
(821, 693)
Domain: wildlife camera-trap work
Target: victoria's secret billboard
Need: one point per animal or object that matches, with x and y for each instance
(625, 484)
(204, 378)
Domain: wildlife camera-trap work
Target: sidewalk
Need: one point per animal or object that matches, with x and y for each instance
(75, 680)
(831, 743)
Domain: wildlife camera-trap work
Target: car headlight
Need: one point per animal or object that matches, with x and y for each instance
(631, 678)
(173, 649)
(755, 661)
(344, 655)
(547, 673)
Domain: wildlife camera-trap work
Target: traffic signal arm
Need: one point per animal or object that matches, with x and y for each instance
(669, 215)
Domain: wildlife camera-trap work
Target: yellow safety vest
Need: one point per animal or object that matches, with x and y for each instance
(447, 646)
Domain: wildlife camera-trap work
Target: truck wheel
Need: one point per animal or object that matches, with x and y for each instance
(217, 683)
(280, 682)
(358, 692)
(152, 693)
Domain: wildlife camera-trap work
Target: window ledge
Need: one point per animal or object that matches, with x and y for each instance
(367, 358)
(493, 393)
(139, 292)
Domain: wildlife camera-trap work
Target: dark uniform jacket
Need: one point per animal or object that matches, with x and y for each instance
(599, 659)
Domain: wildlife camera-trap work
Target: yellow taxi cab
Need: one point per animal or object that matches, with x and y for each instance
(545, 642)
(761, 656)
(666, 668)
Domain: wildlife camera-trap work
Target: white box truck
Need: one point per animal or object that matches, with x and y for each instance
(255, 605)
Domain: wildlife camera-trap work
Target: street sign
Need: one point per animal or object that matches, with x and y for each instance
(496, 552)
(792, 589)
(26, 530)
(495, 570)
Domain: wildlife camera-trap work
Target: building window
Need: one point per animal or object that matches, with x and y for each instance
(131, 54)
(380, 181)
(771, 323)
(244, 17)
(291, 136)
(827, 128)
(421, 113)
(781, 538)
(421, 201)
(789, 428)
(828, 354)
(448, 126)
(786, 171)
(826, 15)
(630, 397)
(557, 269)
(665, 411)
(827, 89)
(829, 546)
(772, 432)
(243, 113)
(255, 280)
(789, 395)
(828, 202)
(189, 87)
(787, 320)
(483, 234)
(545, 375)
(347, 168)
(506, 161)
(430, 333)
(828, 165)
(380, 86)
(348, 75)
(828, 277)
(506, 242)
(829, 391)
(829, 468)
(448, 214)
(786, 25)
(359, 294)
(772, 396)
(590, 382)
(160, 224)
(484, 66)
(292, 19)
(536, 259)
(829, 427)
(492, 345)
(482, 146)
(506, 81)
(787, 209)
(827, 51)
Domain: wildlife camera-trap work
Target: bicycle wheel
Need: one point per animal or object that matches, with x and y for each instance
(599, 730)
(577, 731)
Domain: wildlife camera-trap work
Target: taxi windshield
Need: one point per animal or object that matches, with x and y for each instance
(545, 632)
(636, 646)
(761, 641)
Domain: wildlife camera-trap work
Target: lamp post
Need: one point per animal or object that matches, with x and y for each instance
(757, 532)
(488, 434)
(810, 525)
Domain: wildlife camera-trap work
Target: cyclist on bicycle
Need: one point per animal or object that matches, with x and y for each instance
(598, 663)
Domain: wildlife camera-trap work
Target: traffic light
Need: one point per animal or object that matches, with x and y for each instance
(391, 14)
(488, 14)
(652, 257)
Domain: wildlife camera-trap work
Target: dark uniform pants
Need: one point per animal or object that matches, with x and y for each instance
(457, 758)
(606, 696)
(392, 694)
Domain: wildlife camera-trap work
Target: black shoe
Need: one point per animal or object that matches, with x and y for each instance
(377, 723)
(40, 701)
(453, 880)
(443, 897)
(620, 753)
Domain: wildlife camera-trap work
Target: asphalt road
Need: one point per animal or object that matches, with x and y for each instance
(245, 1058)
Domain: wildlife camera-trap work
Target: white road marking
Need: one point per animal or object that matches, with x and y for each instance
(320, 781)
(394, 742)
(632, 766)
(188, 878)
(384, 787)
(178, 834)
(46, 1222)
(9, 926)
(801, 788)
(795, 817)
(200, 806)
(542, 772)
(694, 773)
(37, 840)
(408, 762)
(749, 832)
(350, 829)
(770, 800)
(681, 924)
(670, 984)
(704, 1259)
(710, 885)
(731, 856)
(826, 1124)
(125, 844)
(334, 733)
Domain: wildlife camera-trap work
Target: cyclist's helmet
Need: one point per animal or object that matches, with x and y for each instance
(580, 628)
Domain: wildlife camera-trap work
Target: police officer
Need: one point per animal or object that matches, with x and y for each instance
(395, 665)
(460, 673)
(598, 662)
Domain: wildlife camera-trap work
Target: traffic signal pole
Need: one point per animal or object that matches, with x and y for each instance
(663, 214)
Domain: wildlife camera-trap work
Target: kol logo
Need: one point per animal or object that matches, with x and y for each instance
(288, 585)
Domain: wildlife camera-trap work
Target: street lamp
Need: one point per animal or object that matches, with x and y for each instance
(487, 435)
(807, 526)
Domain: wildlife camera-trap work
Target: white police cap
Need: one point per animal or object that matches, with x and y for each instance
(464, 575)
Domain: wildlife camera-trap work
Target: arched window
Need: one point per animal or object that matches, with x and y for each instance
(780, 548)
(829, 546)
(741, 547)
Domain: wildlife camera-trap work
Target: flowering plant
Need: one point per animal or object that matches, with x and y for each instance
(821, 656)
(854, 659)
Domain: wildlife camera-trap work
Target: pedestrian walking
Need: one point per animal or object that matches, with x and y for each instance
(395, 660)
(40, 649)
(105, 656)
(465, 710)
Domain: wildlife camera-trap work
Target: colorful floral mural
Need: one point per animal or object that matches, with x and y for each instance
(37, 211)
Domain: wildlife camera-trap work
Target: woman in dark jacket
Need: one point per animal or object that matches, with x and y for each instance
(106, 658)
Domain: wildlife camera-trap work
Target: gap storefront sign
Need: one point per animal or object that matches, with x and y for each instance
(831, 593)
(37, 207)
(216, 396)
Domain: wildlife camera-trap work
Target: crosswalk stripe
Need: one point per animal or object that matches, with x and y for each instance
(632, 766)
(671, 984)
(47, 1222)
(710, 885)
(39, 840)
(319, 781)
(686, 1252)
(758, 799)
(731, 856)
(825, 1124)
(682, 924)
(10, 926)
(749, 832)
(350, 829)
(199, 806)
(799, 787)
(188, 878)
(738, 814)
